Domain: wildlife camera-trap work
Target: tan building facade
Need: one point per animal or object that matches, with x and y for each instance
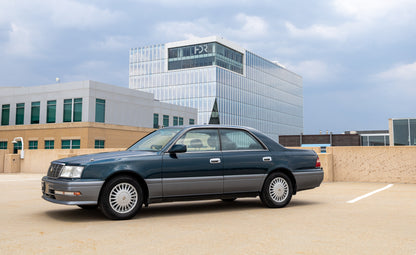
(89, 135)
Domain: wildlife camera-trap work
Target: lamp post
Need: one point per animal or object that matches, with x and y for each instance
(22, 153)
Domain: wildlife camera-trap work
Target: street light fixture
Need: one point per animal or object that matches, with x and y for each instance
(22, 153)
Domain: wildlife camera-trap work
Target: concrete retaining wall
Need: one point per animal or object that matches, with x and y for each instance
(390, 164)
(374, 164)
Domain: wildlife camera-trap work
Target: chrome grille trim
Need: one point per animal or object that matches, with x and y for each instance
(55, 170)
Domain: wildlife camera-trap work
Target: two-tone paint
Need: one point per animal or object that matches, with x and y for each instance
(166, 176)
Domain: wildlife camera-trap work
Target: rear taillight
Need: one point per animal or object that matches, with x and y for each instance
(318, 163)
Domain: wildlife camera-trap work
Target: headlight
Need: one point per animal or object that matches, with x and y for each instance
(71, 171)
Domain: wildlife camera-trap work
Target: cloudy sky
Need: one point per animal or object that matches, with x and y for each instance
(357, 57)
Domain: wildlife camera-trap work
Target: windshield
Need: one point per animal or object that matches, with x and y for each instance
(155, 141)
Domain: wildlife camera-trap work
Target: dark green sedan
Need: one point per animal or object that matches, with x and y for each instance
(184, 163)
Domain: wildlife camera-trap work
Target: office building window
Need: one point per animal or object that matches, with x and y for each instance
(100, 110)
(155, 120)
(206, 54)
(3, 145)
(175, 120)
(17, 146)
(180, 121)
(70, 144)
(33, 145)
(5, 114)
(51, 111)
(191, 122)
(99, 144)
(67, 110)
(166, 120)
(404, 132)
(35, 113)
(77, 110)
(49, 144)
(20, 114)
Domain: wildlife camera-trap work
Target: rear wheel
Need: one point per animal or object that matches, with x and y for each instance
(277, 190)
(121, 198)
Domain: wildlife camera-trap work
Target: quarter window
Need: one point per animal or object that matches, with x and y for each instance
(233, 139)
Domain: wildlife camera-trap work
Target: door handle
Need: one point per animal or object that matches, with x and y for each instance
(215, 160)
(267, 158)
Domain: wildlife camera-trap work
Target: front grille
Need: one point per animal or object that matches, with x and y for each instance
(55, 170)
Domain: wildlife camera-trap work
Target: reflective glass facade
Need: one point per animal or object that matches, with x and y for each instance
(261, 94)
(404, 132)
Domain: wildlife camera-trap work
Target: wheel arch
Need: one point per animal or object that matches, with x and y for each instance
(288, 173)
(134, 176)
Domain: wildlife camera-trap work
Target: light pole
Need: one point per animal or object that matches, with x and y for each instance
(22, 153)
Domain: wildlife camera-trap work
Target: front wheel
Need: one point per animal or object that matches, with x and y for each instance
(277, 190)
(121, 198)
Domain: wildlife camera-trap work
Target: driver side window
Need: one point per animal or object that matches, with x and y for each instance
(201, 140)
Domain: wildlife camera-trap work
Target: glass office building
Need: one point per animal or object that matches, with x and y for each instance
(226, 83)
(403, 132)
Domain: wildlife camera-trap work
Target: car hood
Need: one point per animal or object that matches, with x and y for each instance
(103, 157)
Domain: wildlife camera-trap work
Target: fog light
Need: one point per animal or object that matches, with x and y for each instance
(68, 193)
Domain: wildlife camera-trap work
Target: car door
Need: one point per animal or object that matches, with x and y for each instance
(246, 161)
(199, 170)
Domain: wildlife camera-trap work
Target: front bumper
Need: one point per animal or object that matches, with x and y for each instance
(61, 191)
(308, 178)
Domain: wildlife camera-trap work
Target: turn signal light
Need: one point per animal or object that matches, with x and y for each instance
(318, 163)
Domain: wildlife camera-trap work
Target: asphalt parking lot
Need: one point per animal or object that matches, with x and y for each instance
(319, 221)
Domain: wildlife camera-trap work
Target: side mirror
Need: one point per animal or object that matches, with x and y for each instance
(178, 148)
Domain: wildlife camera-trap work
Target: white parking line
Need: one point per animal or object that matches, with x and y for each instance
(369, 194)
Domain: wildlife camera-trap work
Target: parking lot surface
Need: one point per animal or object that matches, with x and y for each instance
(319, 221)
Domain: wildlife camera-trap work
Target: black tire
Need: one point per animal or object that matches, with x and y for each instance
(121, 198)
(88, 207)
(277, 190)
(228, 200)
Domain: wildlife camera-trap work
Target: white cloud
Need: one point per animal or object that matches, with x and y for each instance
(314, 71)
(68, 13)
(29, 26)
(178, 30)
(404, 73)
(113, 43)
(246, 28)
(252, 27)
(320, 31)
(361, 17)
(375, 9)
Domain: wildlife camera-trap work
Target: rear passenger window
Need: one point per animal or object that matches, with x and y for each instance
(201, 140)
(233, 139)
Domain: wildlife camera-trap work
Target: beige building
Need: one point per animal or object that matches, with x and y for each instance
(82, 115)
